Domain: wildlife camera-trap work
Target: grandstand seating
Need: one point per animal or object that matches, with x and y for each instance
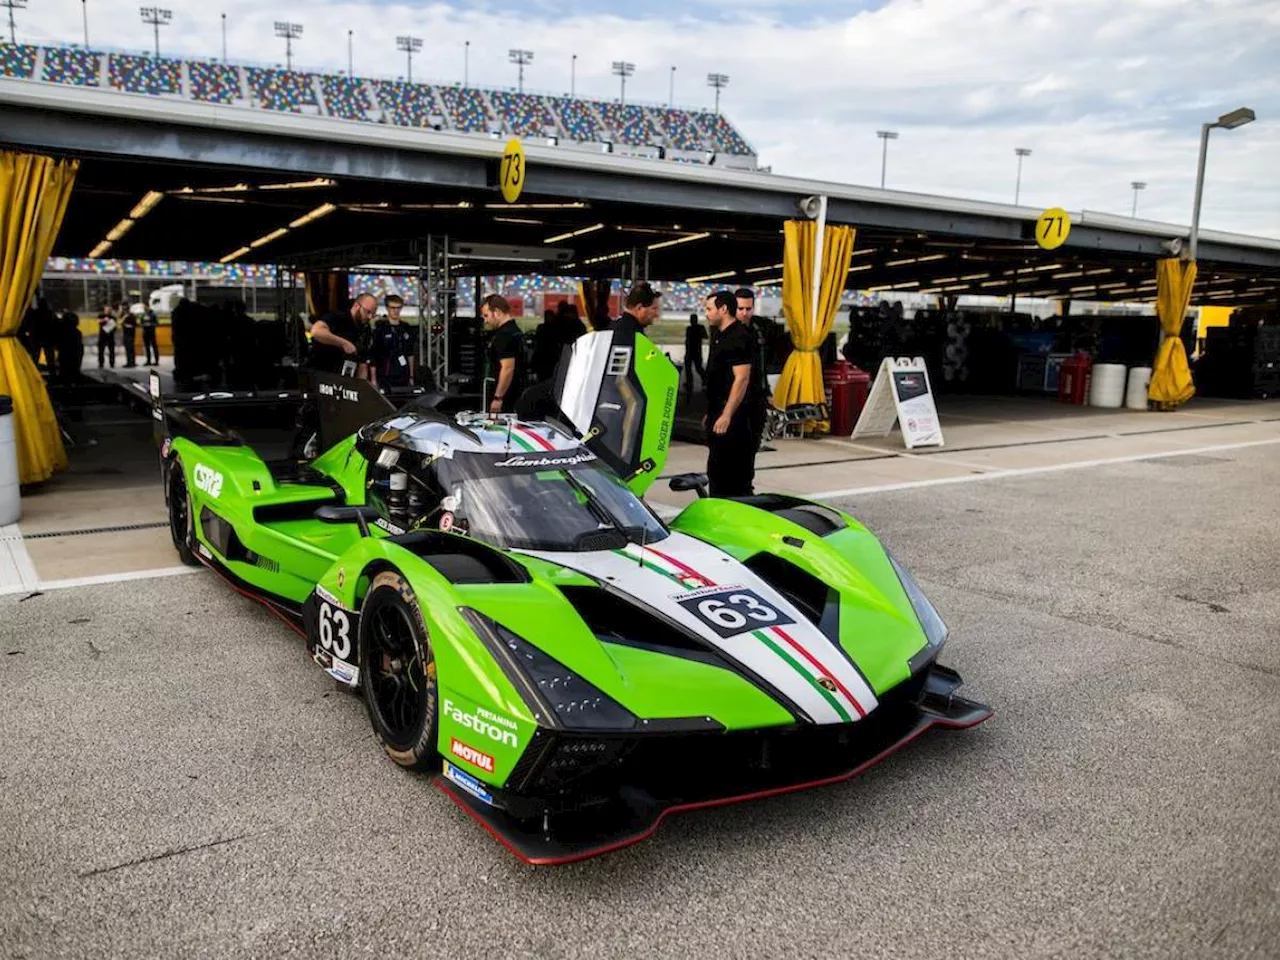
(144, 74)
(465, 109)
(345, 97)
(522, 114)
(71, 65)
(17, 60)
(408, 104)
(283, 89)
(214, 82)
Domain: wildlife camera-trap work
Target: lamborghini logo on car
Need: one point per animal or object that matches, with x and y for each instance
(827, 684)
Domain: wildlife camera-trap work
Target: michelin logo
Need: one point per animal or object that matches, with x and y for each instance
(467, 782)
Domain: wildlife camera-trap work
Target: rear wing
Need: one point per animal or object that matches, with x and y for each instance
(166, 419)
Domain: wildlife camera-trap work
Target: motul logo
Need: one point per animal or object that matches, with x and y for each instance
(471, 755)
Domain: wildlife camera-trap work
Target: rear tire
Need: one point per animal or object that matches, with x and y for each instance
(180, 518)
(398, 673)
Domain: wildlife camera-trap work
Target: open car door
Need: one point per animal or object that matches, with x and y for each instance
(619, 391)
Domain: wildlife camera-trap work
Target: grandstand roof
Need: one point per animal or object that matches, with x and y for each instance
(391, 185)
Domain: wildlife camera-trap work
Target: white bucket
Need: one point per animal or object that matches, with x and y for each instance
(1107, 389)
(1135, 397)
(10, 499)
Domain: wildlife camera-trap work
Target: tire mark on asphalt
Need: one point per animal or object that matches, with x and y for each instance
(178, 851)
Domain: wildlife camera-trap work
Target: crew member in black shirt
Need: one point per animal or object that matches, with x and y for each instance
(759, 380)
(730, 384)
(507, 361)
(394, 348)
(336, 338)
(640, 310)
(129, 336)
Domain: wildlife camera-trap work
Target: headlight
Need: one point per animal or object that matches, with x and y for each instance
(556, 695)
(930, 621)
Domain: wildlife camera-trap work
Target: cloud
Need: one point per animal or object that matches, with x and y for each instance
(1102, 92)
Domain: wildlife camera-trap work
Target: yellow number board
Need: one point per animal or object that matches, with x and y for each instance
(1052, 228)
(511, 173)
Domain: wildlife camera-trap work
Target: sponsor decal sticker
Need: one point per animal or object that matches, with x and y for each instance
(471, 755)
(467, 783)
(388, 526)
(446, 521)
(581, 456)
(344, 672)
(483, 723)
(208, 480)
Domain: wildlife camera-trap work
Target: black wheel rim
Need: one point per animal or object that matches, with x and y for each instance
(397, 678)
(179, 507)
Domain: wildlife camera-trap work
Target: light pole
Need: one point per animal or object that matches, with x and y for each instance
(1137, 185)
(466, 63)
(1017, 184)
(622, 70)
(290, 32)
(573, 76)
(224, 38)
(84, 15)
(671, 90)
(13, 5)
(351, 57)
(1228, 121)
(521, 58)
(157, 17)
(719, 81)
(885, 136)
(409, 46)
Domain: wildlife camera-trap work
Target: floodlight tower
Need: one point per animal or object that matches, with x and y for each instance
(13, 5)
(622, 70)
(290, 32)
(157, 17)
(521, 58)
(719, 81)
(409, 46)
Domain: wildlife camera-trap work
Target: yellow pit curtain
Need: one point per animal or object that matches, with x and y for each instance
(34, 191)
(1171, 383)
(801, 380)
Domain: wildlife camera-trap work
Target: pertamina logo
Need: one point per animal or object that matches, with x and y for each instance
(470, 754)
(208, 480)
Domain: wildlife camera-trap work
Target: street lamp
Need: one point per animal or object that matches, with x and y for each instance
(1017, 186)
(290, 32)
(1228, 121)
(885, 136)
(671, 91)
(622, 70)
(409, 46)
(521, 58)
(13, 5)
(157, 17)
(719, 81)
(224, 38)
(466, 63)
(351, 56)
(573, 76)
(1137, 185)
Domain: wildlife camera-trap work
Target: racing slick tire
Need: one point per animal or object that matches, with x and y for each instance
(180, 522)
(398, 673)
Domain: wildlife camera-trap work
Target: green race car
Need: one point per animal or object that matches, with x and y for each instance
(523, 626)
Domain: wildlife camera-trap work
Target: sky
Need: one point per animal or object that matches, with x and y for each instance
(1103, 92)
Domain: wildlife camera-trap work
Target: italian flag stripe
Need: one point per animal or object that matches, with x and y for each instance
(690, 579)
(541, 441)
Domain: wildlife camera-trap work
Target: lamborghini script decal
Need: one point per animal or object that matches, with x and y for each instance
(583, 456)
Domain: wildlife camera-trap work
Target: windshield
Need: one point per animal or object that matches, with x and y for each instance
(572, 507)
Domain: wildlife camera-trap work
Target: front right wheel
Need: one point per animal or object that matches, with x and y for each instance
(398, 672)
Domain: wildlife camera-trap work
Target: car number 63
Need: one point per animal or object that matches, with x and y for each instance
(335, 630)
(735, 610)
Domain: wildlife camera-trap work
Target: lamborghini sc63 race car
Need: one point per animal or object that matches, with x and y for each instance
(521, 624)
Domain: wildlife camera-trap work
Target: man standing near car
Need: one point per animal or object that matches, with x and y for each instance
(129, 335)
(337, 336)
(393, 362)
(760, 382)
(506, 355)
(149, 346)
(640, 310)
(731, 395)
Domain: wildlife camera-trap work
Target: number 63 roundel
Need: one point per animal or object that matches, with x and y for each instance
(734, 610)
(331, 627)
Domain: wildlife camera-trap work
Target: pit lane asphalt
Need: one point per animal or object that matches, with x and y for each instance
(177, 780)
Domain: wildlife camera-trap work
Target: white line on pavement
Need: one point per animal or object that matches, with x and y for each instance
(42, 585)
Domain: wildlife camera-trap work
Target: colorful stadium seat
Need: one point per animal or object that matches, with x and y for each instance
(71, 65)
(17, 60)
(214, 82)
(282, 89)
(345, 97)
(144, 74)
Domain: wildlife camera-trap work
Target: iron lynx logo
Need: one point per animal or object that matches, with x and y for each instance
(208, 480)
(470, 754)
(483, 724)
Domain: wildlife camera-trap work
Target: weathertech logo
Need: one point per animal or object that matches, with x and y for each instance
(471, 755)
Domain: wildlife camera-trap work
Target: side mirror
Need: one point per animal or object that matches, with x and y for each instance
(690, 481)
(357, 514)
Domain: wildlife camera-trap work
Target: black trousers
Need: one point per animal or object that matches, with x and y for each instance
(106, 345)
(130, 340)
(731, 459)
(149, 345)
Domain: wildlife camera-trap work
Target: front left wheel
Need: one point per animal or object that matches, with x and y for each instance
(398, 672)
(180, 526)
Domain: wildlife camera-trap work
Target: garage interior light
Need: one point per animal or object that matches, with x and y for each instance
(300, 184)
(234, 255)
(775, 266)
(671, 243)
(574, 233)
(120, 229)
(144, 205)
(910, 260)
(100, 250)
(321, 211)
(267, 238)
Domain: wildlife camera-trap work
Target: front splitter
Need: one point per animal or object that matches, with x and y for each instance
(532, 844)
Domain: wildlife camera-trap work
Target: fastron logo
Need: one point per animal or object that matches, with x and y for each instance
(208, 480)
(482, 727)
(471, 755)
